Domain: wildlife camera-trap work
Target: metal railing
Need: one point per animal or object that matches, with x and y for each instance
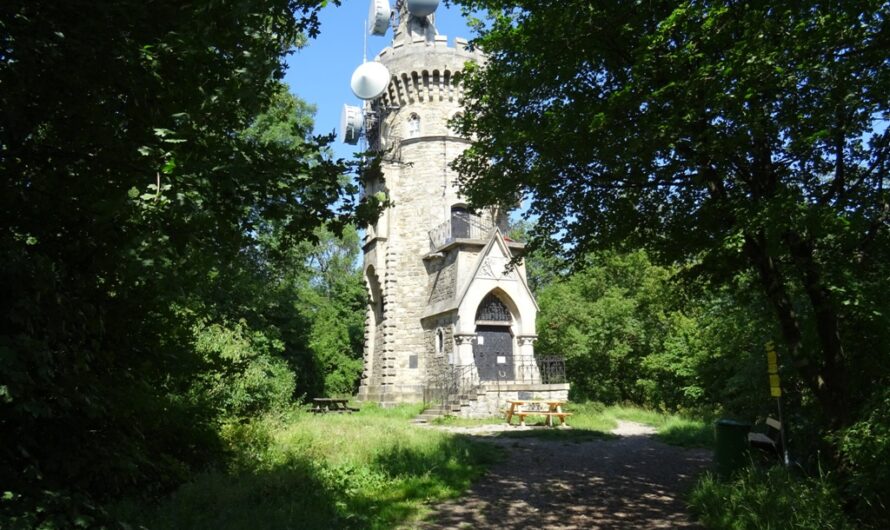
(530, 369)
(464, 226)
(450, 385)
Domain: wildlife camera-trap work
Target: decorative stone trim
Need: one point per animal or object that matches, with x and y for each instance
(461, 340)
(527, 340)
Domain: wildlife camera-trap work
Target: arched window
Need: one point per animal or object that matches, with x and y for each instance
(440, 341)
(413, 126)
(493, 310)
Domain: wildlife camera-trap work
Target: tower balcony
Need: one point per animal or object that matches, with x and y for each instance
(466, 226)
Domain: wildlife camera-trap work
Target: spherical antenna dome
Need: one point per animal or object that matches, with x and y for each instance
(378, 17)
(422, 8)
(369, 80)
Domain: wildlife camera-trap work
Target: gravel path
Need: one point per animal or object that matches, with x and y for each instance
(633, 481)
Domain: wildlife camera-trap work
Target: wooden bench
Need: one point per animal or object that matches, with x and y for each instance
(330, 405)
(548, 415)
(770, 440)
(518, 408)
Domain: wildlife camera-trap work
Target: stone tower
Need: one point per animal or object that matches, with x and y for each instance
(430, 264)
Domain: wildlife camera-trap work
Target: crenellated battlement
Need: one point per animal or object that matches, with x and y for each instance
(424, 71)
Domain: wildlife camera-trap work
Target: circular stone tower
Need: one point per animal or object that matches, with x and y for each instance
(408, 124)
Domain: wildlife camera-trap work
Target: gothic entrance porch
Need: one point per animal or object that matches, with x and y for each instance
(498, 365)
(493, 347)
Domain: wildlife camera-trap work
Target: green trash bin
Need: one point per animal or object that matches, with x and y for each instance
(731, 446)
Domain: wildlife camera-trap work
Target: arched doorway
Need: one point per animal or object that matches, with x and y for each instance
(493, 348)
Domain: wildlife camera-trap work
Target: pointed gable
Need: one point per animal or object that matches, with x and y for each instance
(491, 264)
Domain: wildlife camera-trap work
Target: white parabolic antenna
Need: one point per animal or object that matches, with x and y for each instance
(369, 80)
(422, 8)
(378, 17)
(351, 122)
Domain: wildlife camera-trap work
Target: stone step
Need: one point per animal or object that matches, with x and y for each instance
(430, 414)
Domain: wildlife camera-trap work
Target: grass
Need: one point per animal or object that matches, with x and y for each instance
(768, 499)
(371, 469)
(672, 429)
(455, 421)
(591, 420)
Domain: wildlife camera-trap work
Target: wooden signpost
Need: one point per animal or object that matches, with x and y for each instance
(775, 390)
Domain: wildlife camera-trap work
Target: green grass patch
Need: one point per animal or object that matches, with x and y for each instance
(672, 429)
(770, 499)
(371, 469)
(455, 421)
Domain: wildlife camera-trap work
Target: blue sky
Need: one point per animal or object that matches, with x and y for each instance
(320, 72)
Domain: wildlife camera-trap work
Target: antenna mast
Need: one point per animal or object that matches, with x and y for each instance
(365, 48)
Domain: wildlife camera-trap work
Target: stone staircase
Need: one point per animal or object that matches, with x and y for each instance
(454, 405)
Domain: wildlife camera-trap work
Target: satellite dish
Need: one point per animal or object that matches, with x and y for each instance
(378, 17)
(350, 124)
(369, 80)
(422, 8)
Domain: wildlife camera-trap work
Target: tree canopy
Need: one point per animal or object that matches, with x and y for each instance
(153, 168)
(727, 136)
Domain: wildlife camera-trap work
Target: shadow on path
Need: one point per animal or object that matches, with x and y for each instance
(633, 481)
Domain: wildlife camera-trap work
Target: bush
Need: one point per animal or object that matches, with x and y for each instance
(245, 374)
(773, 499)
(865, 452)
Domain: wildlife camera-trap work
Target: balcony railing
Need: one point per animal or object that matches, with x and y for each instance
(464, 226)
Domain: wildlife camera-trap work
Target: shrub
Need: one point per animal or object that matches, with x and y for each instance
(865, 450)
(245, 374)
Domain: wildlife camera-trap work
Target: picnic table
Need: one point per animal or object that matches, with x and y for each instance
(546, 408)
(332, 405)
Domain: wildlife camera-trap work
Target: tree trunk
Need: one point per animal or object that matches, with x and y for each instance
(833, 369)
(777, 293)
(824, 375)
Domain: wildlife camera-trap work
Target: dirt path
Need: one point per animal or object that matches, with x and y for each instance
(633, 481)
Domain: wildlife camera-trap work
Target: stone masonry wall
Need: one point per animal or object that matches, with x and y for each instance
(491, 401)
(442, 277)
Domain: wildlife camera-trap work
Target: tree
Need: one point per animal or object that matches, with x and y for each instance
(631, 331)
(321, 311)
(729, 135)
(139, 170)
(607, 319)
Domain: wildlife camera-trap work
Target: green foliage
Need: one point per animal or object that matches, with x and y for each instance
(632, 331)
(147, 150)
(307, 471)
(738, 138)
(250, 375)
(865, 449)
(768, 499)
(321, 286)
(605, 319)
(541, 267)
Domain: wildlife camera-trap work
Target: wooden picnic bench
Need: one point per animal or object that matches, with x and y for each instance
(332, 405)
(523, 408)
